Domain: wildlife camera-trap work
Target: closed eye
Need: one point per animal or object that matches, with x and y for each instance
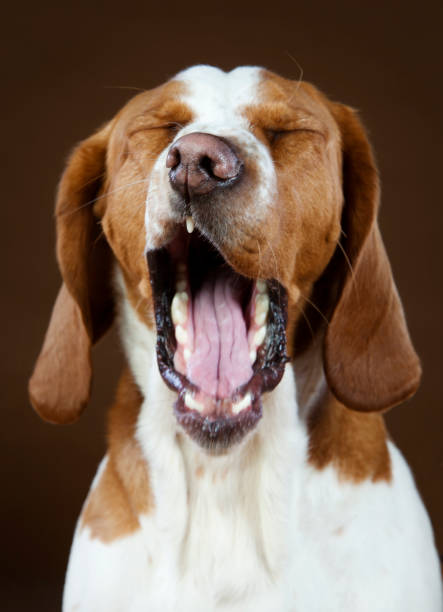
(273, 136)
(171, 126)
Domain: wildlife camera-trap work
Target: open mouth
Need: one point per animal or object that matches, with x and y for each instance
(221, 339)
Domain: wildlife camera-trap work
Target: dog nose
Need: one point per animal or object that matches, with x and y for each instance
(200, 162)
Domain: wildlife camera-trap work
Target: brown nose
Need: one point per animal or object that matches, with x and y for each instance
(201, 162)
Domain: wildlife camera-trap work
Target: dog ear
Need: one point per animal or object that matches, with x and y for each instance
(369, 361)
(60, 384)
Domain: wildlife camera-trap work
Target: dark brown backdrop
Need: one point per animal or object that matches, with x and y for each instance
(65, 67)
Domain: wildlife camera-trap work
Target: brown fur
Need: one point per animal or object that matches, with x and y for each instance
(370, 363)
(123, 488)
(355, 444)
(60, 385)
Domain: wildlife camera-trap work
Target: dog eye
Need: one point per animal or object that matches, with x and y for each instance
(169, 127)
(274, 135)
(173, 127)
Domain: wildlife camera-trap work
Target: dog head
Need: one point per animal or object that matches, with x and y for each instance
(241, 209)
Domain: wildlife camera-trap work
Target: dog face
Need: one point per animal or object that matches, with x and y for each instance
(237, 206)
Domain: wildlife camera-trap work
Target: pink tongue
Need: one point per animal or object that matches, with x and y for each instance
(219, 362)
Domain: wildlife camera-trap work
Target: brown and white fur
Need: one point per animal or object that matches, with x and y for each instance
(312, 509)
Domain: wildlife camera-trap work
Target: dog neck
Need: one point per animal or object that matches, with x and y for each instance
(251, 483)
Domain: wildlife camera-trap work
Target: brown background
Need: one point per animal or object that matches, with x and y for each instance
(66, 69)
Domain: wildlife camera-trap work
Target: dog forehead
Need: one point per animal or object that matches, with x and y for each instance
(215, 95)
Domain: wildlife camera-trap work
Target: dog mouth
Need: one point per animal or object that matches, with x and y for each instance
(221, 338)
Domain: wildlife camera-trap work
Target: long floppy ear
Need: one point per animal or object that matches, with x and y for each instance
(60, 384)
(369, 361)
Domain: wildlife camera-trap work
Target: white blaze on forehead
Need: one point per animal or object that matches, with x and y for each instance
(219, 97)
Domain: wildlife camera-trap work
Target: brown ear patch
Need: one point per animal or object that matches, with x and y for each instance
(123, 491)
(60, 384)
(83, 254)
(370, 363)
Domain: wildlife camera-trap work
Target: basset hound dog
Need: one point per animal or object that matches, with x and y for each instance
(228, 221)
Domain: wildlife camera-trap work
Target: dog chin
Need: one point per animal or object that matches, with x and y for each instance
(221, 339)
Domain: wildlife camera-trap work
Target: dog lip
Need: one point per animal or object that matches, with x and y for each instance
(212, 431)
(220, 432)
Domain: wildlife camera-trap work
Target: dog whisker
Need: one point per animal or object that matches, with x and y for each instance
(100, 197)
(274, 257)
(315, 307)
(351, 269)
(306, 318)
(129, 87)
(300, 68)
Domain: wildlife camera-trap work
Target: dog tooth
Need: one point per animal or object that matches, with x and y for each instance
(181, 334)
(261, 286)
(260, 335)
(186, 354)
(190, 224)
(260, 318)
(192, 403)
(242, 404)
(179, 309)
(252, 356)
(261, 308)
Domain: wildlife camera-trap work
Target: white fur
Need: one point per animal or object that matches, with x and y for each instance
(216, 96)
(217, 100)
(259, 529)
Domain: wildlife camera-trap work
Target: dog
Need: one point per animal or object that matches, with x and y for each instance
(228, 221)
